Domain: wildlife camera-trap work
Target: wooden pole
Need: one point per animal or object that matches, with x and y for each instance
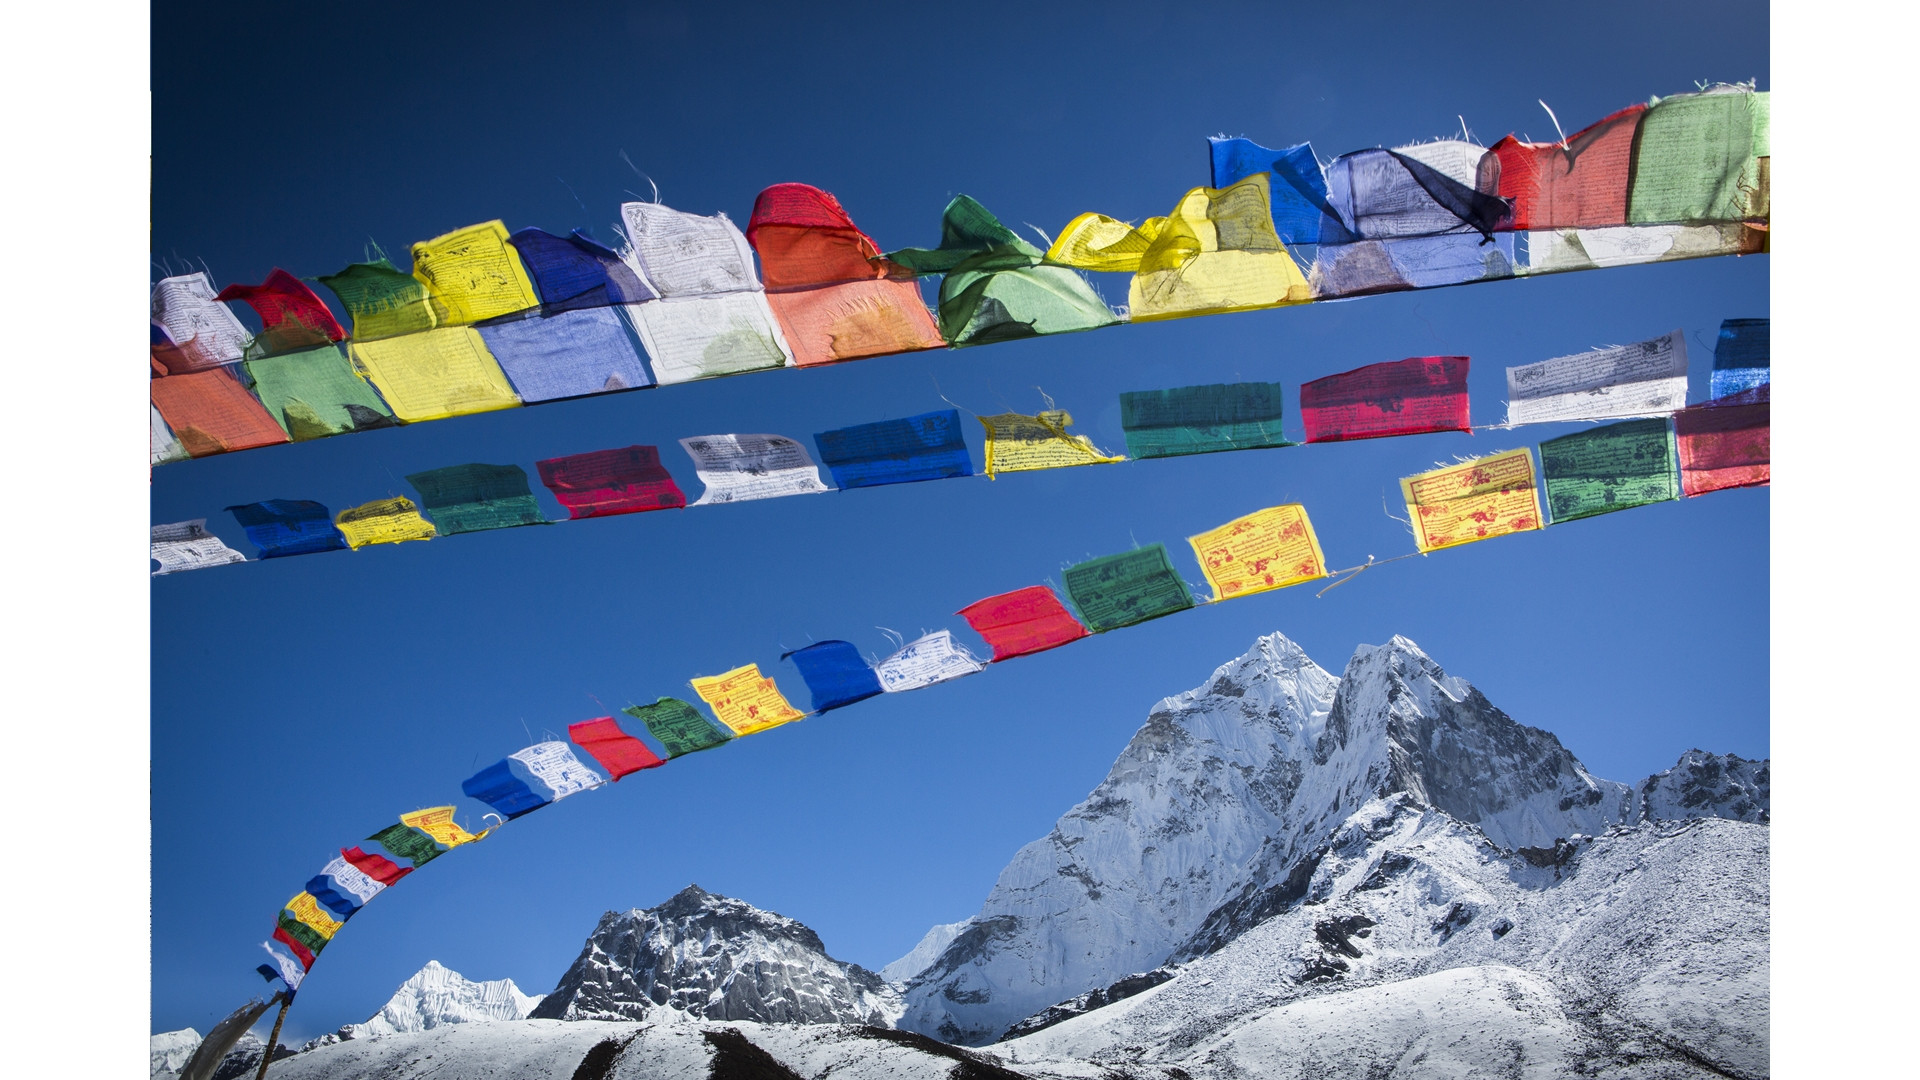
(273, 1040)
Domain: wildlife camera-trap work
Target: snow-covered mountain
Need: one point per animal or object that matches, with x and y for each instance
(1705, 785)
(1218, 798)
(171, 1049)
(436, 995)
(929, 948)
(716, 958)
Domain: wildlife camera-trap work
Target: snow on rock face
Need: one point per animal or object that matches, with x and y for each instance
(719, 959)
(1706, 785)
(170, 1050)
(924, 953)
(436, 995)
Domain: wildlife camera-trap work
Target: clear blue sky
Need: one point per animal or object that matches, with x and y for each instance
(300, 704)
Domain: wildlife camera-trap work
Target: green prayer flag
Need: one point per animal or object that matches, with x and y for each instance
(1119, 590)
(1202, 419)
(1616, 467)
(680, 727)
(381, 300)
(314, 393)
(475, 498)
(1695, 160)
(302, 933)
(410, 844)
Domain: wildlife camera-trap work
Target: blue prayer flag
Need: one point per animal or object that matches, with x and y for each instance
(835, 674)
(339, 901)
(1741, 360)
(925, 447)
(288, 527)
(573, 272)
(1299, 189)
(567, 354)
(498, 787)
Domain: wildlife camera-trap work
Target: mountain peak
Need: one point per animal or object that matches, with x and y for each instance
(436, 995)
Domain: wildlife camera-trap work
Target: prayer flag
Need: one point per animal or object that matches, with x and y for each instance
(567, 354)
(203, 333)
(475, 498)
(351, 880)
(573, 272)
(304, 908)
(499, 787)
(1299, 189)
(1741, 359)
(382, 301)
(435, 374)
(1698, 158)
(682, 254)
(924, 661)
(1474, 500)
(187, 545)
(166, 448)
(740, 468)
(1616, 467)
(553, 766)
(293, 942)
(314, 393)
(608, 482)
(409, 844)
(1267, 549)
(1120, 590)
(701, 337)
(473, 274)
(1024, 621)
(292, 316)
(835, 674)
(383, 870)
(679, 727)
(745, 700)
(1580, 182)
(290, 970)
(383, 521)
(1202, 419)
(924, 447)
(1409, 219)
(210, 412)
(280, 527)
(437, 822)
(617, 752)
(1017, 442)
(340, 902)
(1646, 379)
(1725, 443)
(1404, 397)
(1551, 251)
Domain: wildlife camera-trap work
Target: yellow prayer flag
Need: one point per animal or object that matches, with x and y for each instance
(745, 701)
(1474, 500)
(474, 274)
(1020, 443)
(1267, 549)
(437, 822)
(434, 374)
(383, 521)
(305, 908)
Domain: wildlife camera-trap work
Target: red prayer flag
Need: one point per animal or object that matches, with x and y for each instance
(292, 314)
(1405, 397)
(608, 482)
(300, 951)
(1028, 620)
(1582, 183)
(379, 868)
(211, 413)
(1724, 444)
(804, 237)
(618, 752)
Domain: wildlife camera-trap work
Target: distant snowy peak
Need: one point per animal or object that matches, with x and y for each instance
(170, 1050)
(1705, 785)
(437, 995)
(716, 958)
(924, 953)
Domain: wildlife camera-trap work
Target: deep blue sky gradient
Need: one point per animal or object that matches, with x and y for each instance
(299, 704)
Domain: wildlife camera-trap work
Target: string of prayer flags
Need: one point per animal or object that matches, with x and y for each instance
(567, 354)
(1725, 443)
(607, 482)
(379, 868)
(382, 301)
(835, 296)
(924, 661)
(437, 822)
(1404, 397)
(1120, 590)
(1017, 442)
(683, 254)
(835, 674)
(1202, 419)
(210, 412)
(166, 448)
(187, 545)
(475, 498)
(1645, 379)
(573, 272)
(1217, 251)
(342, 887)
(1579, 182)
(383, 521)
(1701, 158)
(678, 726)
(924, 447)
(1617, 467)
(202, 332)
(313, 393)
(1265, 550)
(1297, 187)
(292, 315)
(712, 317)
(473, 274)
(282, 527)
(994, 287)
(1741, 359)
(745, 701)
(434, 374)
(1028, 620)
(740, 468)
(617, 752)
(1474, 500)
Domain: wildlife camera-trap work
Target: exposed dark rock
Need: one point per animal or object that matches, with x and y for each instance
(1087, 1002)
(1337, 934)
(735, 1057)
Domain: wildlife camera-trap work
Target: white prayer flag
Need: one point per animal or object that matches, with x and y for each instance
(1646, 379)
(202, 328)
(737, 468)
(187, 545)
(553, 764)
(931, 659)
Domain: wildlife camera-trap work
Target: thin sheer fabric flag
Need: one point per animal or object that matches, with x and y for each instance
(1617, 467)
(435, 374)
(1577, 183)
(1120, 590)
(607, 482)
(616, 751)
(1202, 419)
(1023, 621)
(299, 939)
(1645, 379)
(1474, 500)
(835, 296)
(475, 498)
(292, 315)
(712, 317)
(1265, 550)
(473, 274)
(1017, 442)
(1742, 357)
(1405, 397)
(187, 545)
(1298, 188)
(1725, 443)
(835, 673)
(291, 971)
(567, 354)
(1700, 158)
(383, 521)
(740, 468)
(1410, 218)
(573, 272)
(1553, 251)
(282, 527)
(924, 447)
(211, 412)
(166, 448)
(554, 766)
(203, 331)
(382, 301)
(924, 661)
(746, 701)
(678, 727)
(314, 393)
